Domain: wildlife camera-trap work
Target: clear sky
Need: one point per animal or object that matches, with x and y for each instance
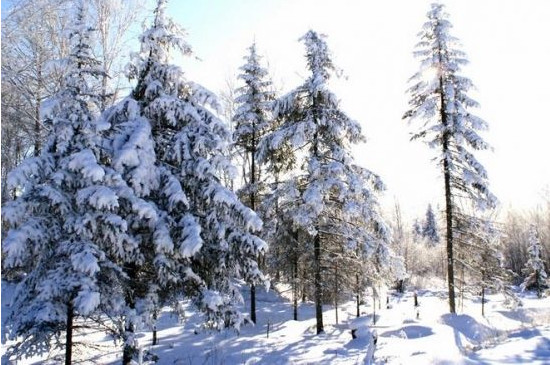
(507, 42)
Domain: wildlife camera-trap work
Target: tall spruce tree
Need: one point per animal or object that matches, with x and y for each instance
(536, 276)
(439, 98)
(332, 198)
(169, 145)
(252, 121)
(66, 232)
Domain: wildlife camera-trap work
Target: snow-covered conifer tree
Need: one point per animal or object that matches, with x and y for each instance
(252, 121)
(534, 268)
(417, 229)
(429, 230)
(130, 150)
(439, 99)
(331, 198)
(65, 231)
(206, 239)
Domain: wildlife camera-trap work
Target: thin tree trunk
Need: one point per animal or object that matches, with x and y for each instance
(253, 303)
(373, 305)
(104, 95)
(483, 301)
(357, 297)
(295, 287)
(253, 207)
(336, 291)
(537, 284)
(129, 349)
(37, 127)
(336, 309)
(277, 277)
(303, 286)
(358, 285)
(155, 328)
(69, 341)
(317, 284)
(461, 282)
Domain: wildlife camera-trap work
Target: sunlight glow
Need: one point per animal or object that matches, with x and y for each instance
(430, 74)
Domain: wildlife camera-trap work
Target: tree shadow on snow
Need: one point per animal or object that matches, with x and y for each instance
(468, 327)
(525, 333)
(540, 353)
(517, 315)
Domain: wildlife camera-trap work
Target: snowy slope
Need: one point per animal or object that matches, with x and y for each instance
(434, 337)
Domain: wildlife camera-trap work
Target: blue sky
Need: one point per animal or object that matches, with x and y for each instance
(5, 4)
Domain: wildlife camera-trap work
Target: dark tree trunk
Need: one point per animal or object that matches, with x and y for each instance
(155, 341)
(317, 239)
(336, 291)
(69, 341)
(253, 207)
(448, 199)
(303, 286)
(37, 127)
(136, 288)
(537, 284)
(357, 296)
(253, 303)
(483, 301)
(295, 285)
(318, 284)
(358, 285)
(295, 288)
(449, 219)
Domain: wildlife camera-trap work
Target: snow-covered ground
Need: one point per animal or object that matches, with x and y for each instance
(433, 336)
(436, 337)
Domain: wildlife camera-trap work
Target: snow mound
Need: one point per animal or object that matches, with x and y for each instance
(361, 328)
(409, 332)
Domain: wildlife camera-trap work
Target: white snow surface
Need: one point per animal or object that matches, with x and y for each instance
(504, 336)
